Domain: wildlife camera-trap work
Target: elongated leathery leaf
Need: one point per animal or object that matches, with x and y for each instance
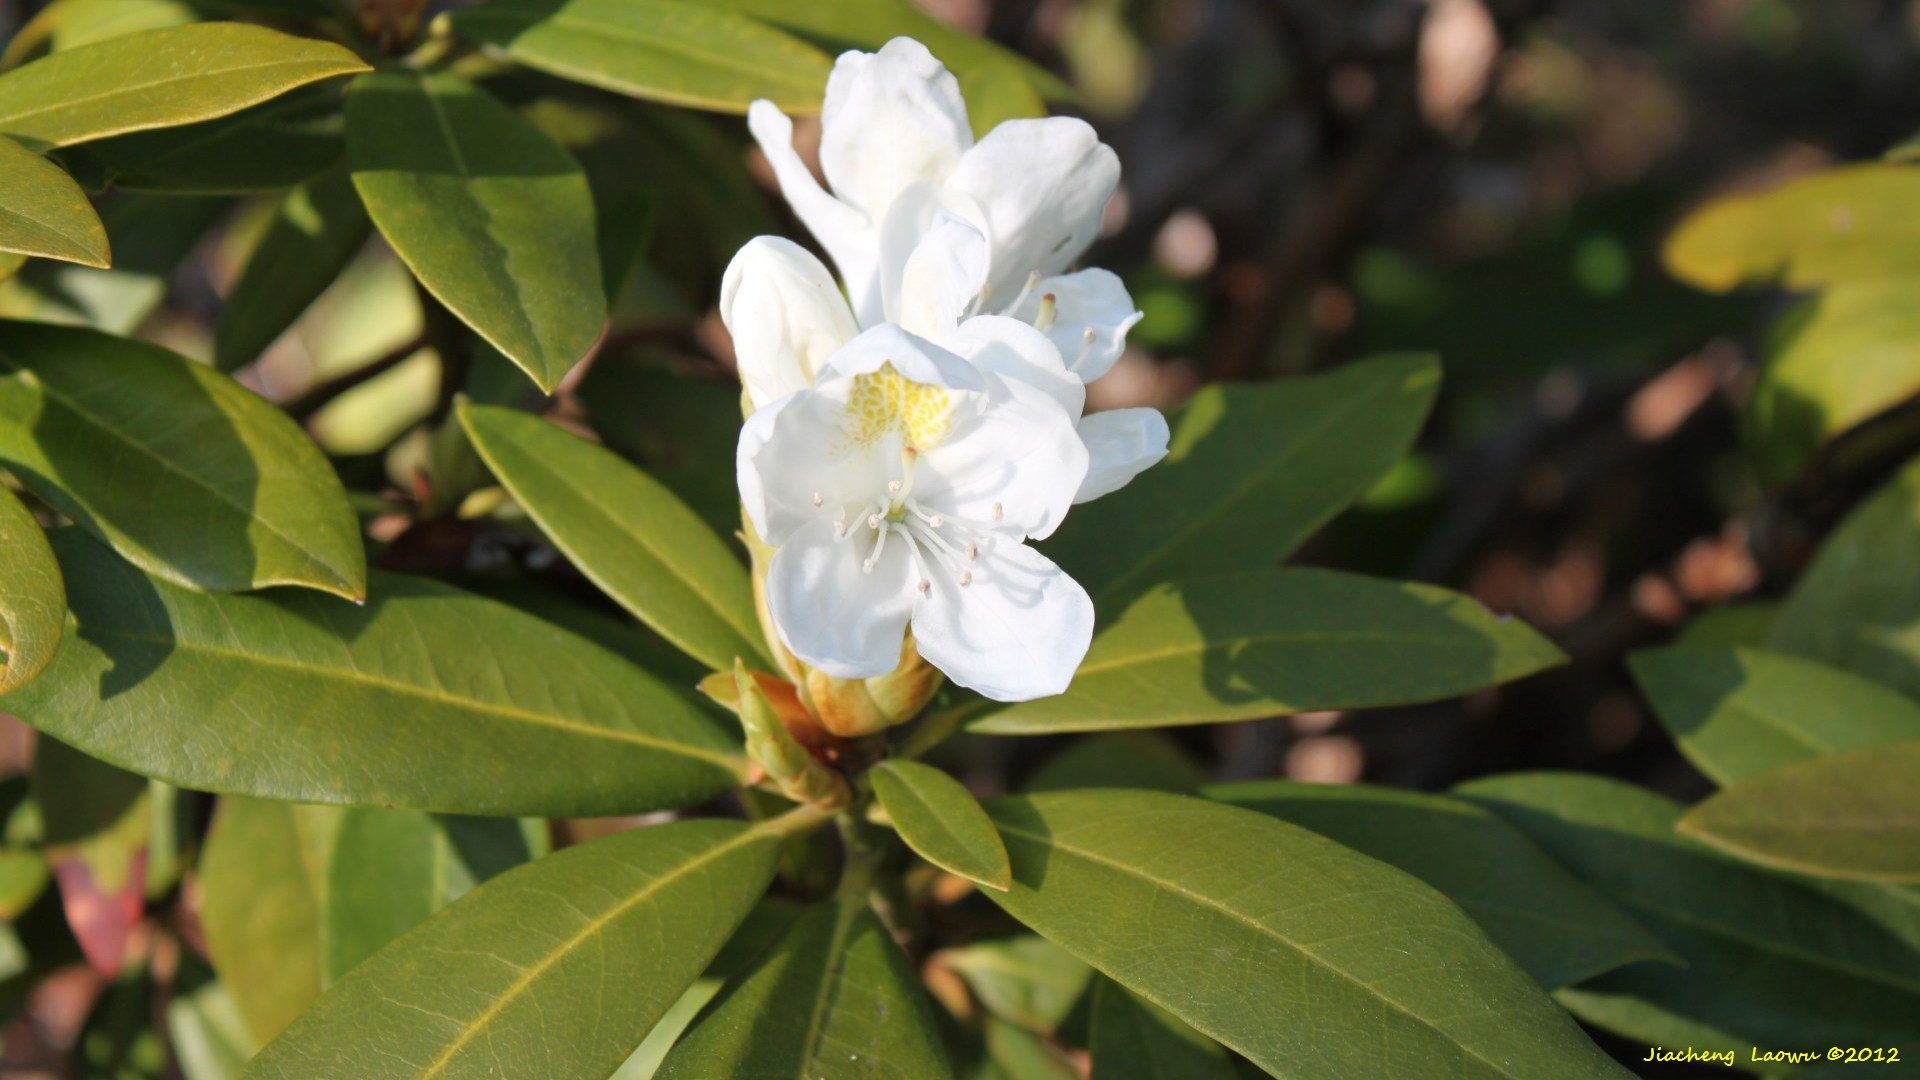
(1278, 641)
(426, 697)
(1558, 928)
(939, 818)
(1250, 473)
(1311, 959)
(667, 50)
(184, 471)
(491, 215)
(159, 78)
(1854, 815)
(43, 212)
(835, 997)
(33, 598)
(555, 970)
(626, 532)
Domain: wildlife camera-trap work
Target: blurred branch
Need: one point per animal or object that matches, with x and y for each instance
(320, 394)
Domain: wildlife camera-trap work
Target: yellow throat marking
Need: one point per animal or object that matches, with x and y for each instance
(887, 401)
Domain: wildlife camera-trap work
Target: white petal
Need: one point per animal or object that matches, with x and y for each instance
(1017, 631)
(832, 613)
(785, 314)
(1086, 300)
(913, 357)
(1013, 448)
(794, 449)
(890, 118)
(1041, 185)
(1015, 350)
(852, 239)
(941, 279)
(1122, 444)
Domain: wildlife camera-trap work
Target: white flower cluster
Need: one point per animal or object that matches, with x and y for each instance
(902, 449)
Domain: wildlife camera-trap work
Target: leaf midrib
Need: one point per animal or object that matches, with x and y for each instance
(52, 392)
(946, 832)
(1054, 843)
(358, 677)
(830, 975)
(526, 978)
(691, 582)
(8, 121)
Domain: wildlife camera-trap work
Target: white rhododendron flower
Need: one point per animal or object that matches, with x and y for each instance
(779, 303)
(899, 491)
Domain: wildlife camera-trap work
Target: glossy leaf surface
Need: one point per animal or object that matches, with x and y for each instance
(1235, 646)
(159, 78)
(1233, 922)
(43, 212)
(425, 697)
(33, 598)
(317, 230)
(1841, 224)
(938, 817)
(492, 216)
(555, 969)
(638, 542)
(181, 469)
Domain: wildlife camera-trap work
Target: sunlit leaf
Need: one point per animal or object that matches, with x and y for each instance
(425, 697)
(159, 78)
(1236, 646)
(43, 212)
(1157, 891)
(938, 817)
(33, 598)
(180, 468)
(493, 217)
(316, 231)
(1845, 224)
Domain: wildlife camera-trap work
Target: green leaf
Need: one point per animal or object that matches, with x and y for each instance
(554, 970)
(341, 884)
(1027, 980)
(675, 51)
(1233, 922)
(68, 24)
(150, 235)
(184, 471)
(1238, 646)
(1744, 623)
(33, 598)
(1739, 712)
(1834, 361)
(493, 217)
(1770, 961)
(262, 884)
(43, 212)
(269, 147)
(939, 818)
(1129, 759)
(1014, 1053)
(1858, 605)
(316, 231)
(210, 1038)
(1846, 224)
(836, 997)
(1854, 815)
(426, 697)
(626, 532)
(391, 869)
(159, 78)
(1134, 1039)
(1557, 928)
(1251, 472)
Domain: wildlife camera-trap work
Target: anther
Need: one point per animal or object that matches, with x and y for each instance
(925, 587)
(973, 551)
(966, 577)
(819, 500)
(867, 566)
(840, 528)
(996, 512)
(1044, 320)
(873, 521)
(937, 520)
(893, 487)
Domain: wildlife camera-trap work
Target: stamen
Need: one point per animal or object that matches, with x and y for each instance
(926, 588)
(937, 520)
(966, 577)
(1048, 309)
(819, 500)
(996, 512)
(879, 545)
(874, 520)
(1033, 282)
(893, 488)
(840, 529)
(1086, 349)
